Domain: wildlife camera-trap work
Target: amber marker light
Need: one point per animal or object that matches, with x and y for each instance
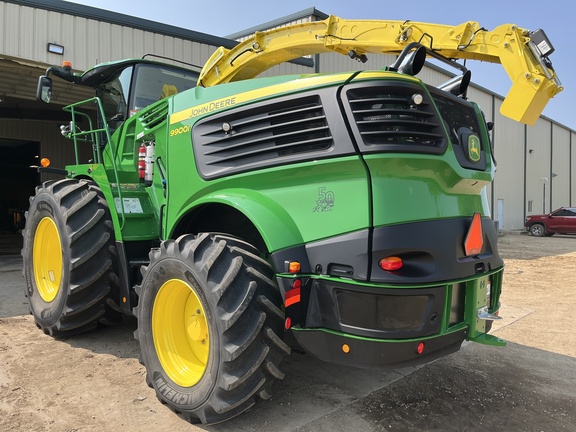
(294, 267)
(345, 348)
(390, 263)
(45, 162)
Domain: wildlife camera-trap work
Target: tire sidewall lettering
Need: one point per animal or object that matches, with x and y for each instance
(173, 393)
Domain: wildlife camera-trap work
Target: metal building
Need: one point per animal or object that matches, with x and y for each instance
(535, 164)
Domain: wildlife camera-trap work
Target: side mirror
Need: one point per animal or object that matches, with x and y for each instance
(44, 89)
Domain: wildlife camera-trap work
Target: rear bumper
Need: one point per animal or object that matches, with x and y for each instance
(365, 325)
(372, 353)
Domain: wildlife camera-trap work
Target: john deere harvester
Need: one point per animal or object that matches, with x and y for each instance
(239, 217)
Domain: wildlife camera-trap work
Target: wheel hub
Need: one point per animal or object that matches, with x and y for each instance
(197, 329)
(180, 332)
(47, 259)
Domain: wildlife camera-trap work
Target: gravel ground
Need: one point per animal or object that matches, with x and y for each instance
(94, 382)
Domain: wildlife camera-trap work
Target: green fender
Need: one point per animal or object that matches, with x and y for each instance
(274, 223)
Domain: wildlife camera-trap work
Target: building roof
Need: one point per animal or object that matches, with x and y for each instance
(306, 13)
(89, 12)
(93, 13)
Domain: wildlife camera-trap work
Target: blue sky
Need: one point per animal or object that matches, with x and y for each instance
(223, 17)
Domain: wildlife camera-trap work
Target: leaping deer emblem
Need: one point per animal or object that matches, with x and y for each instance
(473, 148)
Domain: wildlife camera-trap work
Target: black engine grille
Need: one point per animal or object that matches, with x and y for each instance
(270, 134)
(387, 119)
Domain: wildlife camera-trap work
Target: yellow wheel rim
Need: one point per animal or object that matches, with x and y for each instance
(47, 259)
(180, 332)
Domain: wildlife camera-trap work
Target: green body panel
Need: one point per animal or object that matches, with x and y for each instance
(288, 205)
(133, 212)
(200, 101)
(416, 187)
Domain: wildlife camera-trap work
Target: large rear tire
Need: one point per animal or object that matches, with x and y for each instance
(210, 326)
(69, 259)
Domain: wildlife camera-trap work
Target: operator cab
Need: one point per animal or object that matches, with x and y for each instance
(139, 85)
(124, 87)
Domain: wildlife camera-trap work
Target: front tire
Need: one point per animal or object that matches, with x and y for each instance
(537, 230)
(209, 326)
(68, 258)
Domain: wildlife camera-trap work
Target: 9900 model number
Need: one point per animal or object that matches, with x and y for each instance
(179, 130)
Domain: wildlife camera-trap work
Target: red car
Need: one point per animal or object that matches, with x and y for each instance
(562, 221)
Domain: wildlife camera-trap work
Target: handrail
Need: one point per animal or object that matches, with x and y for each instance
(94, 136)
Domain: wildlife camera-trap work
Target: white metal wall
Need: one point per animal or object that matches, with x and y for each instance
(538, 167)
(560, 166)
(509, 179)
(26, 32)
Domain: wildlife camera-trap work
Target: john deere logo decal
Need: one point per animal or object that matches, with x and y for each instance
(473, 148)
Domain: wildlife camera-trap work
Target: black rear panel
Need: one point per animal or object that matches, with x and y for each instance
(432, 251)
(375, 312)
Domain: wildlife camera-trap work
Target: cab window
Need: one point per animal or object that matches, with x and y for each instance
(114, 96)
(155, 82)
(565, 212)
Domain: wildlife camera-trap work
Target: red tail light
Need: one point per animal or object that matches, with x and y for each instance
(420, 348)
(391, 263)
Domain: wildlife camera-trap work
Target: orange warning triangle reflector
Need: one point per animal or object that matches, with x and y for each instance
(475, 238)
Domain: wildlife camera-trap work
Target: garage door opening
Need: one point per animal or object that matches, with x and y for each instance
(18, 180)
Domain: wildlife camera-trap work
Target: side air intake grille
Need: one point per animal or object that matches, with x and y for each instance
(269, 134)
(388, 119)
(155, 116)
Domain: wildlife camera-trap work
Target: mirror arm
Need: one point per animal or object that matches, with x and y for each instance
(64, 74)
